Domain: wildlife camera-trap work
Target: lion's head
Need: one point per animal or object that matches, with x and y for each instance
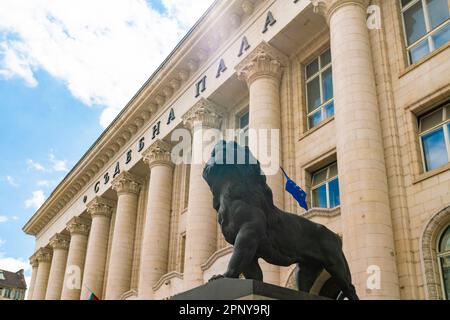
(230, 161)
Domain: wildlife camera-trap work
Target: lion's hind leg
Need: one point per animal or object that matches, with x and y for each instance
(307, 274)
(253, 271)
(340, 272)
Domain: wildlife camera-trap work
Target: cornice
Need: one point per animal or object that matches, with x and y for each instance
(177, 71)
(158, 154)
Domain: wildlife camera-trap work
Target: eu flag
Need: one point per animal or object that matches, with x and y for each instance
(295, 191)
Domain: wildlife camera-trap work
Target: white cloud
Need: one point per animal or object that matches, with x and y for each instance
(58, 165)
(2, 242)
(15, 217)
(12, 182)
(43, 183)
(36, 200)
(102, 50)
(13, 264)
(3, 219)
(35, 165)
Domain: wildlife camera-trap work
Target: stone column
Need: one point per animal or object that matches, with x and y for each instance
(262, 70)
(201, 224)
(118, 282)
(100, 210)
(365, 209)
(60, 244)
(79, 230)
(44, 258)
(34, 266)
(155, 244)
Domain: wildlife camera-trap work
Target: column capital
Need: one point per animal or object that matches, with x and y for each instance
(327, 7)
(204, 113)
(78, 225)
(126, 183)
(34, 261)
(60, 241)
(100, 207)
(264, 60)
(44, 255)
(158, 154)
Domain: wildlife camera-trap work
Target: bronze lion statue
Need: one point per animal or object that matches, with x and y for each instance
(256, 228)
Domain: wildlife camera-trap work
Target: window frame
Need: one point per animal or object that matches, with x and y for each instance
(440, 255)
(243, 132)
(443, 124)
(428, 28)
(319, 73)
(327, 181)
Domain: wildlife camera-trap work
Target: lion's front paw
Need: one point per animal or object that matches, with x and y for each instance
(215, 277)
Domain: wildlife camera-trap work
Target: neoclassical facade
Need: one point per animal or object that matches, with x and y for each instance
(359, 92)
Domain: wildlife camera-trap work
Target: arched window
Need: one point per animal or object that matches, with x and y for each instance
(444, 261)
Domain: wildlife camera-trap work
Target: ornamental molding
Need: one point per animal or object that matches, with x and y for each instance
(60, 241)
(100, 207)
(203, 113)
(326, 8)
(78, 225)
(44, 255)
(158, 154)
(216, 255)
(129, 295)
(321, 212)
(428, 253)
(127, 183)
(33, 260)
(166, 279)
(264, 61)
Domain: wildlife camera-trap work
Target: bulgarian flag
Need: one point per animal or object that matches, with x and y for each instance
(92, 295)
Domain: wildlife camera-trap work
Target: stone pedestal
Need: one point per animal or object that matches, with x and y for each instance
(240, 289)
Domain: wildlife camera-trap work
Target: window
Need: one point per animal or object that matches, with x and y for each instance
(444, 262)
(427, 26)
(325, 187)
(435, 138)
(243, 126)
(7, 293)
(2, 275)
(319, 89)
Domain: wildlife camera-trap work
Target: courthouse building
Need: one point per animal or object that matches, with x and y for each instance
(360, 91)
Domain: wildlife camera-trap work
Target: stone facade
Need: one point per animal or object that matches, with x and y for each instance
(130, 223)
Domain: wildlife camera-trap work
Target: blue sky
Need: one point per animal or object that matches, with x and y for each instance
(65, 73)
